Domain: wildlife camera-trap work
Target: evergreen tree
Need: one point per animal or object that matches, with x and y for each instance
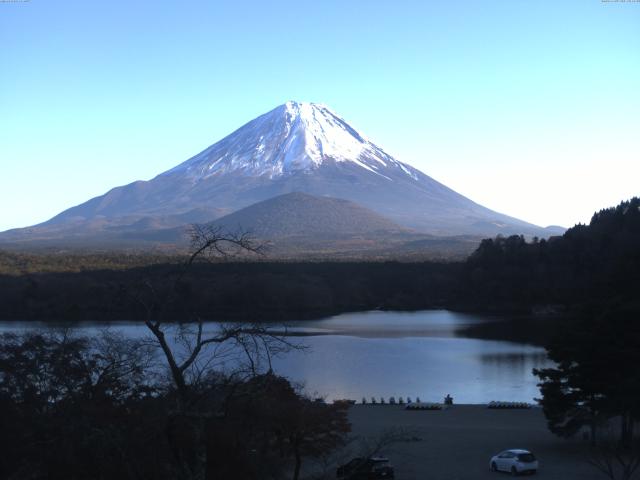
(596, 377)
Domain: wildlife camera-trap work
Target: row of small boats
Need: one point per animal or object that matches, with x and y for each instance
(419, 405)
(508, 405)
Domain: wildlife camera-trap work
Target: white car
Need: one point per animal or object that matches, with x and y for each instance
(514, 461)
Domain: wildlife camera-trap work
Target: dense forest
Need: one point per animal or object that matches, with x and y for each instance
(246, 291)
(595, 264)
(590, 265)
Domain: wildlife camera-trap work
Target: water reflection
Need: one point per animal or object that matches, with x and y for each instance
(383, 324)
(429, 367)
(394, 354)
(515, 359)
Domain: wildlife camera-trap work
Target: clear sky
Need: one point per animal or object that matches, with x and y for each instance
(531, 108)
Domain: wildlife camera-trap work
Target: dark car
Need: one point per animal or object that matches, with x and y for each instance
(365, 469)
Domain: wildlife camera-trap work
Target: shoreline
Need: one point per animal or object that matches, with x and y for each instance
(458, 442)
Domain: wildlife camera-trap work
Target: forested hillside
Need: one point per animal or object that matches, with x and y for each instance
(595, 264)
(248, 291)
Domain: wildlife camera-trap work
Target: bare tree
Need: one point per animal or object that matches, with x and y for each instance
(616, 461)
(192, 352)
(371, 446)
(183, 356)
(362, 447)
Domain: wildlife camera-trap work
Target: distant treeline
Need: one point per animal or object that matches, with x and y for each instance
(228, 291)
(43, 261)
(594, 264)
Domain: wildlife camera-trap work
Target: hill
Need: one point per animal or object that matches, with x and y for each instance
(300, 214)
(296, 147)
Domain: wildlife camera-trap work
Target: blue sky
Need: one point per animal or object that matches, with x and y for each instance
(528, 107)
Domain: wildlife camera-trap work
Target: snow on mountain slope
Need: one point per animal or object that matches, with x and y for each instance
(296, 147)
(296, 136)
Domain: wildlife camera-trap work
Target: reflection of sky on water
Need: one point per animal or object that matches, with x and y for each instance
(394, 353)
(382, 324)
(353, 367)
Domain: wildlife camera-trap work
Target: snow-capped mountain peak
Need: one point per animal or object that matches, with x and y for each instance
(294, 137)
(296, 147)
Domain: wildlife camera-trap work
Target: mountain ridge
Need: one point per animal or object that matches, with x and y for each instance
(296, 147)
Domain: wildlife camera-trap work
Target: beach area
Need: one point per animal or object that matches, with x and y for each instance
(457, 443)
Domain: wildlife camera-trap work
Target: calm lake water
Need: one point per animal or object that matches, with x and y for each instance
(416, 354)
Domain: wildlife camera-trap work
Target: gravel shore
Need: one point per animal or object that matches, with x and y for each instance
(457, 443)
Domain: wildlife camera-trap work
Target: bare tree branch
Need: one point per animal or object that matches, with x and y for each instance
(616, 461)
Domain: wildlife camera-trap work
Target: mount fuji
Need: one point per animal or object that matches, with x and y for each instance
(296, 147)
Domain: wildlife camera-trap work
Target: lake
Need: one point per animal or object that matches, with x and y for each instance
(382, 354)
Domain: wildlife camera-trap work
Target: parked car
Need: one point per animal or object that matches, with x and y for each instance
(514, 461)
(361, 468)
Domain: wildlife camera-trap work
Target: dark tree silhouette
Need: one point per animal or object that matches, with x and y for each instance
(66, 404)
(191, 358)
(596, 377)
